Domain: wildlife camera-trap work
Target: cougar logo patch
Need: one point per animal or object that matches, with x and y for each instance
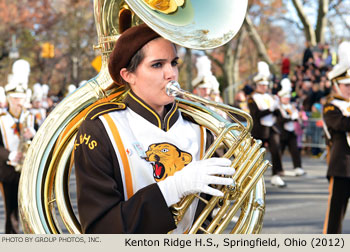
(166, 159)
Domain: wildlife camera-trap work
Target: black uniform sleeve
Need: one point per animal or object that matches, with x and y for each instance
(255, 111)
(101, 204)
(4, 154)
(335, 120)
(282, 120)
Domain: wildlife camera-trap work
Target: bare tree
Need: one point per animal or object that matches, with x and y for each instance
(259, 44)
(313, 35)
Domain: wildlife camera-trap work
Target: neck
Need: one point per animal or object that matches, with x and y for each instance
(160, 111)
(15, 112)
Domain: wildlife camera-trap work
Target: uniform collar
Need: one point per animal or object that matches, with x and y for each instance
(141, 108)
(339, 97)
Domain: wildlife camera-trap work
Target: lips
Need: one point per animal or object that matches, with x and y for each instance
(158, 170)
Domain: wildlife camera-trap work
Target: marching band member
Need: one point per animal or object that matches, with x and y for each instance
(205, 81)
(135, 159)
(288, 116)
(46, 100)
(263, 108)
(37, 104)
(336, 114)
(12, 124)
(205, 84)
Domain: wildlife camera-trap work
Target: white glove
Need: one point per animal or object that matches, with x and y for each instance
(275, 104)
(295, 115)
(196, 178)
(13, 158)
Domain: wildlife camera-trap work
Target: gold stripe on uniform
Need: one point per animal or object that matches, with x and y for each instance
(4, 133)
(330, 188)
(120, 145)
(201, 154)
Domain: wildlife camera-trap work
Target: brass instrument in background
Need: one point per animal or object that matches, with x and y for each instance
(44, 193)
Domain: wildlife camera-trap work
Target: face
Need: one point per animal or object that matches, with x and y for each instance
(151, 76)
(285, 100)
(203, 92)
(36, 104)
(345, 90)
(15, 104)
(262, 88)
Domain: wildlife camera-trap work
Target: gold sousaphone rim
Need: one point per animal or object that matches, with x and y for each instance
(164, 6)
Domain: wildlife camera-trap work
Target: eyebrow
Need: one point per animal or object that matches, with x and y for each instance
(162, 60)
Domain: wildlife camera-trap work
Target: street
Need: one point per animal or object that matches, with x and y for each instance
(300, 207)
(297, 209)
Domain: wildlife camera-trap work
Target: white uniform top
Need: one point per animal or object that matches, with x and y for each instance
(266, 101)
(40, 114)
(10, 131)
(289, 111)
(147, 158)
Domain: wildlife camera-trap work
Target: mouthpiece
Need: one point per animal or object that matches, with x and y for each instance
(172, 88)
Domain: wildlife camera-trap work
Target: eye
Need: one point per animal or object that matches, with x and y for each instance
(157, 65)
(175, 62)
(164, 150)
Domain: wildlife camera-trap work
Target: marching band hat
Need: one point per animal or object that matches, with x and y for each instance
(341, 71)
(263, 74)
(45, 88)
(129, 42)
(286, 88)
(37, 92)
(16, 89)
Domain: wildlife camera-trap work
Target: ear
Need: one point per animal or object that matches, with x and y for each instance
(127, 76)
(187, 158)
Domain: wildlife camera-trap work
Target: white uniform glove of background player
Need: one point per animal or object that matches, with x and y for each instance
(275, 103)
(295, 115)
(196, 178)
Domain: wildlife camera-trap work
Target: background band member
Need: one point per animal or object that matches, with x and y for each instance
(336, 114)
(12, 126)
(205, 84)
(288, 116)
(263, 108)
(136, 158)
(37, 109)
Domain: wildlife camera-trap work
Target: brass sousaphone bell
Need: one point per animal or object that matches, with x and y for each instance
(44, 193)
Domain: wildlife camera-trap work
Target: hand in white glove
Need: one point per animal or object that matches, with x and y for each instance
(196, 178)
(295, 116)
(275, 104)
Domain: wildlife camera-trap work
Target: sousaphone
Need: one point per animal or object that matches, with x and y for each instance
(44, 191)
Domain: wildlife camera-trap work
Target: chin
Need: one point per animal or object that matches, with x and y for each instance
(171, 100)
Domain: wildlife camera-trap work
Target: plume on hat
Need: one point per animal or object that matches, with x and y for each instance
(205, 77)
(263, 73)
(344, 61)
(37, 92)
(18, 80)
(286, 88)
(45, 88)
(20, 72)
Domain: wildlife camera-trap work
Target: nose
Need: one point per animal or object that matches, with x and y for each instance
(170, 72)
